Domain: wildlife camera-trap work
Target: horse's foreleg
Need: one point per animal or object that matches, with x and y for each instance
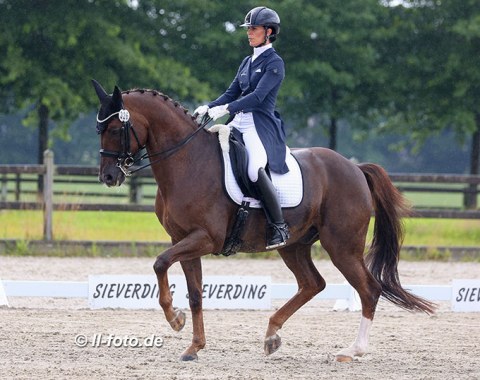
(193, 274)
(176, 318)
(190, 249)
(310, 282)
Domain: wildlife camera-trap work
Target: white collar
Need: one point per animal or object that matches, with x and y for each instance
(259, 50)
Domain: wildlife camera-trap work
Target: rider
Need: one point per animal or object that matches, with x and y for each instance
(250, 99)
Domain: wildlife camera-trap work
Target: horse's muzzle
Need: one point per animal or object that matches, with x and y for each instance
(111, 176)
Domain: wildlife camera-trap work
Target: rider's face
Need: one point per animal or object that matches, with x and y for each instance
(256, 35)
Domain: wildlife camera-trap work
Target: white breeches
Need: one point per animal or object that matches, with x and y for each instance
(257, 155)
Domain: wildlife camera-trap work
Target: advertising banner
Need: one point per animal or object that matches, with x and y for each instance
(141, 292)
(466, 295)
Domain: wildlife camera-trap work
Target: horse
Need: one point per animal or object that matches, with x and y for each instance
(191, 204)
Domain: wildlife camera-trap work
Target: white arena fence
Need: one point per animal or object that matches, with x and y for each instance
(219, 292)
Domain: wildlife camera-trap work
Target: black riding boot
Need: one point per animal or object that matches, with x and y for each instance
(277, 229)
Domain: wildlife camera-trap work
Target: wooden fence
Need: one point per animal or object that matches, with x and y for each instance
(78, 188)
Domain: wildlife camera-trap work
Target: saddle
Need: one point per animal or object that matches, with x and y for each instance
(242, 191)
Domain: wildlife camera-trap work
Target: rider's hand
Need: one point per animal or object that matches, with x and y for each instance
(200, 111)
(217, 112)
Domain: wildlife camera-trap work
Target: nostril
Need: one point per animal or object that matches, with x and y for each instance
(107, 178)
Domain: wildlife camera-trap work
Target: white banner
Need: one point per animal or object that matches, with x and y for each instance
(3, 296)
(141, 292)
(466, 295)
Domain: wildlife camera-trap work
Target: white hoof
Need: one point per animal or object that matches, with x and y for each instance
(349, 354)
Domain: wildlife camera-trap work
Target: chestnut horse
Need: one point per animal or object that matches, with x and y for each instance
(191, 204)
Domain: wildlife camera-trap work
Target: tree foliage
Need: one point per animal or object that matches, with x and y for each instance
(432, 52)
(50, 50)
(413, 69)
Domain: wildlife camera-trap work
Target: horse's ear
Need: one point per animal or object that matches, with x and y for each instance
(117, 99)
(101, 93)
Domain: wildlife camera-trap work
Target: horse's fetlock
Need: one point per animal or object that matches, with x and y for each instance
(199, 343)
(273, 323)
(164, 304)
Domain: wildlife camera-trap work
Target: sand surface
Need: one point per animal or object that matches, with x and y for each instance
(37, 335)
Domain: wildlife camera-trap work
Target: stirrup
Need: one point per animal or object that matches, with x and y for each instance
(277, 236)
(276, 245)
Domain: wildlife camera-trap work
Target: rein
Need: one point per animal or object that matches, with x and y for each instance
(126, 159)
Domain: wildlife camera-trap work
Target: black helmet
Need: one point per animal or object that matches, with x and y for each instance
(266, 17)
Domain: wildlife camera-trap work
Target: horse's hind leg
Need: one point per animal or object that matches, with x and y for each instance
(347, 256)
(298, 259)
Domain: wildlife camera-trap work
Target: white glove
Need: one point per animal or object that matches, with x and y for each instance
(200, 111)
(217, 112)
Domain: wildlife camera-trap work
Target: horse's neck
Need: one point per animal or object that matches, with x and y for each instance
(168, 126)
(188, 161)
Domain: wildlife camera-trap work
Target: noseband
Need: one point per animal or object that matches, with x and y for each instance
(125, 158)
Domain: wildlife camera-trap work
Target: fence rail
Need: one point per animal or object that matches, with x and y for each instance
(63, 190)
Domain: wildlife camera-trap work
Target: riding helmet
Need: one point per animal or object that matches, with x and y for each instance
(266, 17)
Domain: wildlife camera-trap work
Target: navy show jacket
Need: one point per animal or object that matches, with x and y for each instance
(255, 90)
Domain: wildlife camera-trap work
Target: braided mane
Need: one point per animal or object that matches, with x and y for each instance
(166, 98)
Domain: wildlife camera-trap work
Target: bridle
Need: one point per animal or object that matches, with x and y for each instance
(125, 158)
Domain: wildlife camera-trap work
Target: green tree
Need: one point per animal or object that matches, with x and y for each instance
(205, 36)
(432, 50)
(49, 50)
(330, 52)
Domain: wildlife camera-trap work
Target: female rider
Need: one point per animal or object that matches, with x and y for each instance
(250, 99)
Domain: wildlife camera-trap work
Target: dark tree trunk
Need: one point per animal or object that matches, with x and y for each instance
(333, 128)
(333, 134)
(470, 199)
(42, 140)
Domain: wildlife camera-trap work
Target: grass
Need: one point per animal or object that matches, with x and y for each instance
(442, 232)
(144, 226)
(83, 225)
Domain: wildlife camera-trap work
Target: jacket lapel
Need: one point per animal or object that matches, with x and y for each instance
(261, 59)
(257, 65)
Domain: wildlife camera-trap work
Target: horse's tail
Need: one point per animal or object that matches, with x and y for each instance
(384, 253)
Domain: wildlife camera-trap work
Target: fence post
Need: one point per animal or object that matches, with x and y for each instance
(48, 195)
(4, 188)
(135, 190)
(470, 197)
(18, 187)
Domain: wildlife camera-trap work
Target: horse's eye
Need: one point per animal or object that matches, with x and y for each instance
(114, 131)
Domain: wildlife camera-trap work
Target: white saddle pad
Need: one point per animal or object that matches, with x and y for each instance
(289, 186)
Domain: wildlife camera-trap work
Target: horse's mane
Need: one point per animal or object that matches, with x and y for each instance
(166, 98)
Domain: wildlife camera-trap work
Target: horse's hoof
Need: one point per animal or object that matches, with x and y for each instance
(272, 344)
(343, 358)
(188, 357)
(178, 322)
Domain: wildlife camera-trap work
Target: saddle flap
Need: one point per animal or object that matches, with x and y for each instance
(239, 161)
(289, 186)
